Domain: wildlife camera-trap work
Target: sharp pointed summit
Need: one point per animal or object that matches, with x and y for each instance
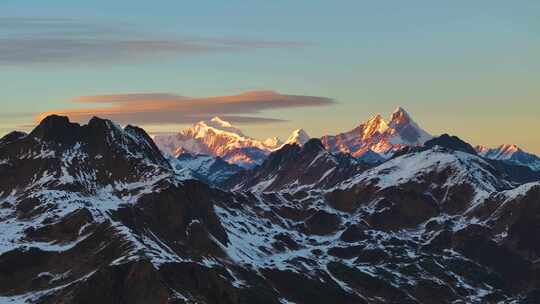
(509, 149)
(299, 137)
(400, 116)
(374, 125)
(405, 130)
(376, 135)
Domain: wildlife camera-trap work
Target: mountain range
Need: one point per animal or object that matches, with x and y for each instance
(373, 141)
(218, 138)
(97, 213)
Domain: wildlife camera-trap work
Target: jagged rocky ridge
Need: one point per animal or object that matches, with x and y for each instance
(95, 214)
(296, 167)
(377, 137)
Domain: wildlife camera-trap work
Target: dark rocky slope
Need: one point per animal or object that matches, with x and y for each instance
(95, 214)
(295, 167)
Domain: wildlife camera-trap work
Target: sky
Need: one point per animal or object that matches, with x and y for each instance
(469, 68)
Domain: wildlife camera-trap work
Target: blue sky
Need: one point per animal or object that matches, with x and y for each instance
(470, 68)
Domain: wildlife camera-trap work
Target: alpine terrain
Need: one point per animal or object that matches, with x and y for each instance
(97, 213)
(511, 154)
(378, 137)
(220, 138)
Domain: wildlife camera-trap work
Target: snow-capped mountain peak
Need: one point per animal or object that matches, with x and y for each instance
(400, 116)
(512, 154)
(217, 137)
(481, 150)
(376, 135)
(272, 142)
(221, 122)
(405, 130)
(299, 137)
(215, 125)
(374, 125)
(508, 149)
(503, 151)
(96, 214)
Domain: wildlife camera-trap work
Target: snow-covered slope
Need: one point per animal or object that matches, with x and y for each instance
(96, 214)
(376, 135)
(414, 187)
(510, 154)
(218, 138)
(418, 209)
(209, 169)
(450, 168)
(58, 187)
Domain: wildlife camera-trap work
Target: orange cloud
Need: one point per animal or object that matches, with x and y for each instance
(163, 108)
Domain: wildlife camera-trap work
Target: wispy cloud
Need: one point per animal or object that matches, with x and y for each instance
(57, 40)
(164, 108)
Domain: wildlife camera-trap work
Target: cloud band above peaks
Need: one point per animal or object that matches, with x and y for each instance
(165, 108)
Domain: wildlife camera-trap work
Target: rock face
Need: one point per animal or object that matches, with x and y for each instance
(293, 167)
(96, 214)
(378, 136)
